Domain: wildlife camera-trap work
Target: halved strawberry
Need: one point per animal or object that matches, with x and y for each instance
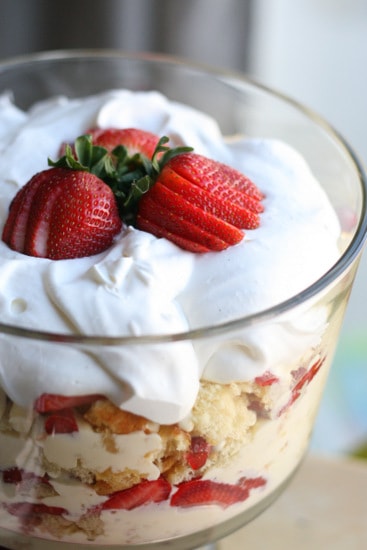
(50, 402)
(143, 493)
(204, 492)
(62, 213)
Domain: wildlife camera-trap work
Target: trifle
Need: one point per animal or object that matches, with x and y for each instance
(170, 296)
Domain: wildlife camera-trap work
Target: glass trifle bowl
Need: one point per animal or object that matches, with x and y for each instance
(152, 396)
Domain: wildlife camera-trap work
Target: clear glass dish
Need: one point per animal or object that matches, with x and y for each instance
(264, 422)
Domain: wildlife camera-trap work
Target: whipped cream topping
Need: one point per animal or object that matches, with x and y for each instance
(144, 285)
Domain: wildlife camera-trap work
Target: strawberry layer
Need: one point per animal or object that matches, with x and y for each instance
(154, 509)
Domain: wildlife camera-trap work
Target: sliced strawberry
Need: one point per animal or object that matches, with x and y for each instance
(216, 202)
(206, 204)
(199, 204)
(15, 229)
(15, 476)
(73, 209)
(62, 214)
(135, 140)
(145, 492)
(26, 509)
(50, 402)
(302, 377)
(204, 492)
(266, 379)
(62, 422)
(220, 179)
(172, 213)
(80, 220)
(198, 453)
(182, 242)
(248, 483)
(308, 375)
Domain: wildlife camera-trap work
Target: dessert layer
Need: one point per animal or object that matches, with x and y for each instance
(145, 285)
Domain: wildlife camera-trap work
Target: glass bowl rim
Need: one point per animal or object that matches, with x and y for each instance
(341, 266)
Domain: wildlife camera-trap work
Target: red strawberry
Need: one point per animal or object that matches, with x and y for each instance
(49, 402)
(135, 141)
(62, 422)
(16, 476)
(204, 492)
(12, 475)
(67, 212)
(266, 379)
(142, 493)
(62, 213)
(307, 376)
(199, 204)
(198, 453)
(24, 509)
(303, 377)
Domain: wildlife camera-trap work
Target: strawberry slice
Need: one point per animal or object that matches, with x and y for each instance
(308, 375)
(26, 509)
(62, 422)
(50, 402)
(221, 200)
(219, 178)
(266, 379)
(16, 475)
(135, 140)
(198, 453)
(198, 492)
(173, 214)
(303, 378)
(15, 229)
(143, 493)
(210, 242)
(13, 475)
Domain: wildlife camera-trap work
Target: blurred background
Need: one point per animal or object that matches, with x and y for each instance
(312, 50)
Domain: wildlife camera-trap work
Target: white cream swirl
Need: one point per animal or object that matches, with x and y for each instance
(144, 285)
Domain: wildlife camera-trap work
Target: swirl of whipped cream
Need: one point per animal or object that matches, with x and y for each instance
(144, 285)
